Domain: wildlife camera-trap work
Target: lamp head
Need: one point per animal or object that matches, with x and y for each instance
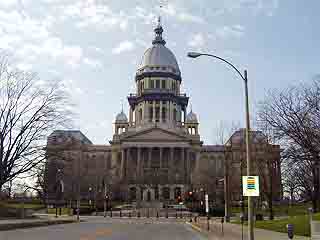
(194, 54)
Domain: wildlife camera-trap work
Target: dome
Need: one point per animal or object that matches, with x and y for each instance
(121, 118)
(191, 117)
(159, 55)
(159, 58)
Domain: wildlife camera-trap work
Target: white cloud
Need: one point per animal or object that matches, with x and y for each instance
(8, 3)
(187, 17)
(32, 39)
(230, 31)
(181, 14)
(24, 66)
(93, 14)
(197, 40)
(124, 46)
(92, 62)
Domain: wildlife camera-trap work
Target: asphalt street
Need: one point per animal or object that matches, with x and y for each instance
(98, 228)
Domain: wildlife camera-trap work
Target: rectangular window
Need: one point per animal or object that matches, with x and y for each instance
(151, 84)
(163, 84)
(158, 83)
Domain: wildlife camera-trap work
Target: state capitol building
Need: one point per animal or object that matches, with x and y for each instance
(156, 154)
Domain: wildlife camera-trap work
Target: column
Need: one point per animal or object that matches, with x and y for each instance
(149, 158)
(188, 165)
(122, 164)
(168, 111)
(138, 163)
(154, 112)
(161, 157)
(142, 115)
(197, 167)
(160, 115)
(171, 111)
(182, 156)
(171, 193)
(130, 116)
(146, 112)
(171, 162)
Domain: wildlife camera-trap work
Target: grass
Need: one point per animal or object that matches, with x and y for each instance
(64, 211)
(20, 205)
(282, 210)
(300, 222)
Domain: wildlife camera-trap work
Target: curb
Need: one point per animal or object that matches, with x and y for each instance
(12, 226)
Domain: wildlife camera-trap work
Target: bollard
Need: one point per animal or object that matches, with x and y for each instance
(148, 213)
(190, 217)
(111, 212)
(290, 229)
(167, 214)
(176, 215)
(157, 214)
(139, 214)
(120, 213)
(60, 211)
(222, 221)
(56, 212)
(208, 223)
(180, 214)
(129, 214)
(242, 220)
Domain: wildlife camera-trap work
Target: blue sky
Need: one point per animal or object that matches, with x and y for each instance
(94, 47)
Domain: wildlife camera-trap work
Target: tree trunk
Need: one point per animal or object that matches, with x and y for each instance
(315, 193)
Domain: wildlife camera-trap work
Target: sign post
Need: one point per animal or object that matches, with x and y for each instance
(206, 198)
(250, 186)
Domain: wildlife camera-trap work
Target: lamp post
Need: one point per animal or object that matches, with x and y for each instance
(245, 80)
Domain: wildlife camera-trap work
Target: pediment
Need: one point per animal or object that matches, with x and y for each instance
(156, 134)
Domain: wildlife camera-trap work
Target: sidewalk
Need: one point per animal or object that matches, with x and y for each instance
(233, 231)
(10, 224)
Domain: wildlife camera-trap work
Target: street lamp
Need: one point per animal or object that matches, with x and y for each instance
(245, 80)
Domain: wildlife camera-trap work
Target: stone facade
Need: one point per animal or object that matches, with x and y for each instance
(156, 155)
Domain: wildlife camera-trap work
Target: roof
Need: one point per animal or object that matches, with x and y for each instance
(76, 134)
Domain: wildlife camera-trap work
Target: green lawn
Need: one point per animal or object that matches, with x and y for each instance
(300, 222)
(283, 210)
(64, 211)
(20, 205)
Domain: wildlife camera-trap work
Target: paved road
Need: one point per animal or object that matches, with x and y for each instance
(98, 228)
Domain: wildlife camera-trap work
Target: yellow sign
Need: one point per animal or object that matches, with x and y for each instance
(250, 186)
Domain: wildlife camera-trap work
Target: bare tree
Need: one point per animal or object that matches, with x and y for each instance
(293, 115)
(29, 110)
